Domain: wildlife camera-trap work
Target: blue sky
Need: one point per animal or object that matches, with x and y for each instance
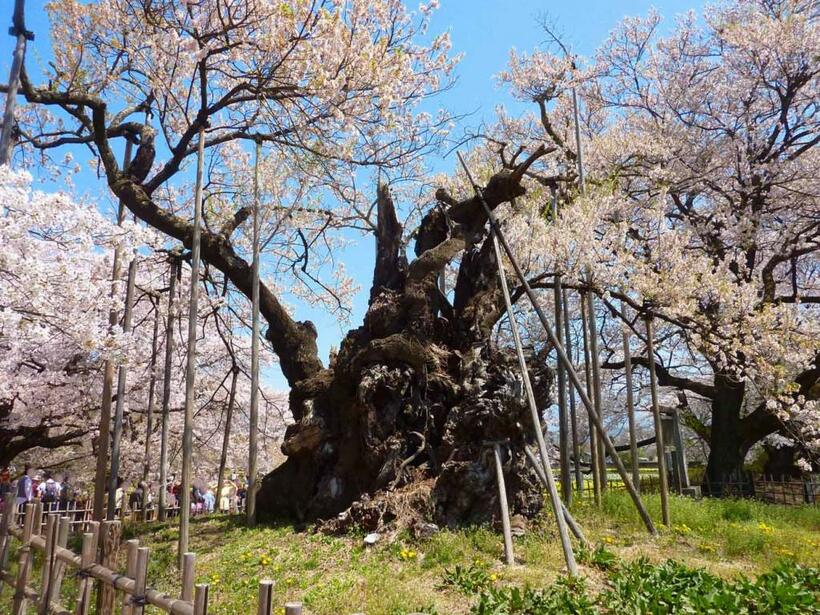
(483, 31)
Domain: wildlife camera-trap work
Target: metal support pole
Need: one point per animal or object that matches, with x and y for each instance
(166, 391)
(656, 415)
(562, 355)
(253, 444)
(190, 363)
(555, 499)
(116, 434)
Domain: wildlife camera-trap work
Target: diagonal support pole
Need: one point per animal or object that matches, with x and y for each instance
(555, 499)
(498, 236)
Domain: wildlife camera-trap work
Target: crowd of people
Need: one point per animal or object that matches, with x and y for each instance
(58, 492)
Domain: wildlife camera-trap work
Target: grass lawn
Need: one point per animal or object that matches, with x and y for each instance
(339, 575)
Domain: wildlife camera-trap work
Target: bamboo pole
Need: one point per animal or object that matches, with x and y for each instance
(166, 391)
(190, 363)
(630, 412)
(656, 415)
(562, 356)
(505, 508)
(103, 441)
(573, 415)
(149, 420)
(253, 443)
(563, 418)
(593, 437)
(223, 458)
(555, 500)
(18, 30)
(116, 434)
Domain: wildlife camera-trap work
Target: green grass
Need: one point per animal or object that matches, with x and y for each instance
(725, 539)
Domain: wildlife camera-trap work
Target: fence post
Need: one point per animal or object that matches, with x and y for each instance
(109, 544)
(56, 578)
(265, 605)
(24, 567)
(201, 599)
(187, 592)
(48, 563)
(293, 608)
(7, 522)
(89, 552)
(138, 599)
(131, 547)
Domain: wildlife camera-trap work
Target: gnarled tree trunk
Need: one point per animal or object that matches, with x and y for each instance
(418, 391)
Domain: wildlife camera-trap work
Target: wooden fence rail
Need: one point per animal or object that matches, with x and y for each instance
(48, 533)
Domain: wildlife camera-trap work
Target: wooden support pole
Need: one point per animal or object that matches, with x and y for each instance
(265, 602)
(188, 577)
(539, 471)
(576, 446)
(505, 509)
(563, 417)
(190, 362)
(58, 571)
(149, 418)
(596, 385)
(7, 522)
(293, 608)
(166, 391)
(18, 30)
(630, 412)
(562, 356)
(116, 434)
(555, 500)
(223, 458)
(656, 415)
(593, 436)
(103, 441)
(253, 440)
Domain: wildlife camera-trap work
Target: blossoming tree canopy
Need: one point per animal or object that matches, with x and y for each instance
(55, 272)
(701, 162)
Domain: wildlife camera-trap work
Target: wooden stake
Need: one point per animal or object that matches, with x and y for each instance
(505, 509)
(87, 557)
(109, 550)
(48, 564)
(22, 35)
(253, 443)
(116, 435)
(190, 363)
(20, 603)
(293, 608)
(576, 446)
(166, 391)
(131, 547)
(201, 599)
(58, 571)
(555, 500)
(656, 415)
(103, 441)
(562, 356)
(188, 577)
(138, 599)
(265, 603)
